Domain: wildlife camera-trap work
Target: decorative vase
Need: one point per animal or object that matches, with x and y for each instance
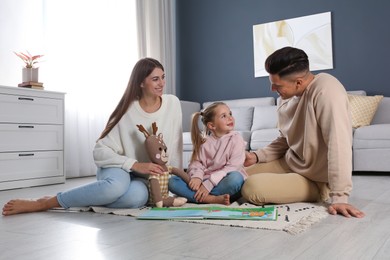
(30, 74)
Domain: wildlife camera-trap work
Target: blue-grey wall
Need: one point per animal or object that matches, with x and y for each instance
(215, 44)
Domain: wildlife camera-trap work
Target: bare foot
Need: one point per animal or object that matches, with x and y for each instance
(221, 199)
(18, 206)
(179, 201)
(159, 204)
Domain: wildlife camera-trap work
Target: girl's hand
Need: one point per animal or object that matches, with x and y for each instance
(250, 159)
(147, 168)
(201, 194)
(195, 184)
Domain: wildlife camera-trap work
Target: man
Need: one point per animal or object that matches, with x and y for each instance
(311, 160)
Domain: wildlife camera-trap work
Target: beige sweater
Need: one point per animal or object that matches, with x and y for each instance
(316, 136)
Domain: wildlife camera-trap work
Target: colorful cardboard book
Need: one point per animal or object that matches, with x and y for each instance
(257, 213)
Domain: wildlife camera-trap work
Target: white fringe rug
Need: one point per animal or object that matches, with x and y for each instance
(293, 218)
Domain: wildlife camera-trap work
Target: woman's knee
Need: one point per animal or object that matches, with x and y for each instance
(113, 182)
(138, 194)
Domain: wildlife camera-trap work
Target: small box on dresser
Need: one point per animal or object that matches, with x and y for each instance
(31, 137)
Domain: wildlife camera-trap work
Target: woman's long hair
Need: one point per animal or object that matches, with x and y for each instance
(141, 70)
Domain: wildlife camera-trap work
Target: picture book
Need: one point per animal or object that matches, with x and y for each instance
(215, 212)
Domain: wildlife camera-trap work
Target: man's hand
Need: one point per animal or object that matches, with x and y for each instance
(250, 159)
(346, 210)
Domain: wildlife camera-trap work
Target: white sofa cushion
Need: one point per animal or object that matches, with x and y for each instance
(372, 137)
(357, 92)
(187, 109)
(187, 144)
(246, 135)
(246, 102)
(261, 138)
(243, 117)
(264, 117)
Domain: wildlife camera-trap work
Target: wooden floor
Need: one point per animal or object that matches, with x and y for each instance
(58, 235)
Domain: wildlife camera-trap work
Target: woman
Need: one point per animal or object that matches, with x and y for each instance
(119, 153)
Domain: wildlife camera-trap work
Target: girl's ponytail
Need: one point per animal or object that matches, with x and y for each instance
(197, 137)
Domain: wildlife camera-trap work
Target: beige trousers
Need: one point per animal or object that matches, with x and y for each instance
(274, 182)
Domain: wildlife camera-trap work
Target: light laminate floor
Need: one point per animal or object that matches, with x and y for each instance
(58, 235)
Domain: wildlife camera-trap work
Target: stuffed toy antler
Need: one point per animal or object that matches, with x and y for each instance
(158, 184)
(142, 129)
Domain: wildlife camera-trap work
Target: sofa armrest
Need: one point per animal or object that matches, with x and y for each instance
(187, 109)
(357, 92)
(382, 114)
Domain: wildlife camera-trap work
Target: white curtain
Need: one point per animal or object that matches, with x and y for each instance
(156, 21)
(90, 48)
(21, 28)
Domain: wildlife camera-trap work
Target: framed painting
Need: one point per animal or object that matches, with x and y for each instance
(312, 33)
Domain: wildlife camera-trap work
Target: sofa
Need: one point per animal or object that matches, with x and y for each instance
(256, 120)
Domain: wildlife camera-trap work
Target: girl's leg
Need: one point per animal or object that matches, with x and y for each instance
(231, 184)
(179, 187)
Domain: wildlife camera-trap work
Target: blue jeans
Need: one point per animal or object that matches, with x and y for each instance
(114, 188)
(231, 184)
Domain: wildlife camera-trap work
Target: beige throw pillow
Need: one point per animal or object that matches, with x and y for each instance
(363, 109)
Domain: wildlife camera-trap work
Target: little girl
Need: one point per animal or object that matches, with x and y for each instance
(216, 168)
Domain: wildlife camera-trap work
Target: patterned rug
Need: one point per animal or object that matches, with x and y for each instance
(293, 218)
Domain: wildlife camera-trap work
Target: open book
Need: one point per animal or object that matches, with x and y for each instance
(215, 212)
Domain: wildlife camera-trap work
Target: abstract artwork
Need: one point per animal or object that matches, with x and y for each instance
(312, 33)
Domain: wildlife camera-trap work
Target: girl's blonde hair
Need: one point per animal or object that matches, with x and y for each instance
(198, 137)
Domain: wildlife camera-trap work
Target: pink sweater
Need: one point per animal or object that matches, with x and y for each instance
(218, 157)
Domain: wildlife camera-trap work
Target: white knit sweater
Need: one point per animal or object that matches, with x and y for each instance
(124, 144)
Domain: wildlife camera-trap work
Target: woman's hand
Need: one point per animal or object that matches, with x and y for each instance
(201, 194)
(195, 184)
(250, 159)
(147, 168)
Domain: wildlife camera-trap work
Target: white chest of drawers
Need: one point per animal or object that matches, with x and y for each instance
(31, 137)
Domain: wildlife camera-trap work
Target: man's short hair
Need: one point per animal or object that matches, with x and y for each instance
(286, 61)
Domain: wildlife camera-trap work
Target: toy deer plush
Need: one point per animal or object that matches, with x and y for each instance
(158, 184)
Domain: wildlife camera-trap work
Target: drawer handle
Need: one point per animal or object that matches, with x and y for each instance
(24, 98)
(26, 126)
(26, 154)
